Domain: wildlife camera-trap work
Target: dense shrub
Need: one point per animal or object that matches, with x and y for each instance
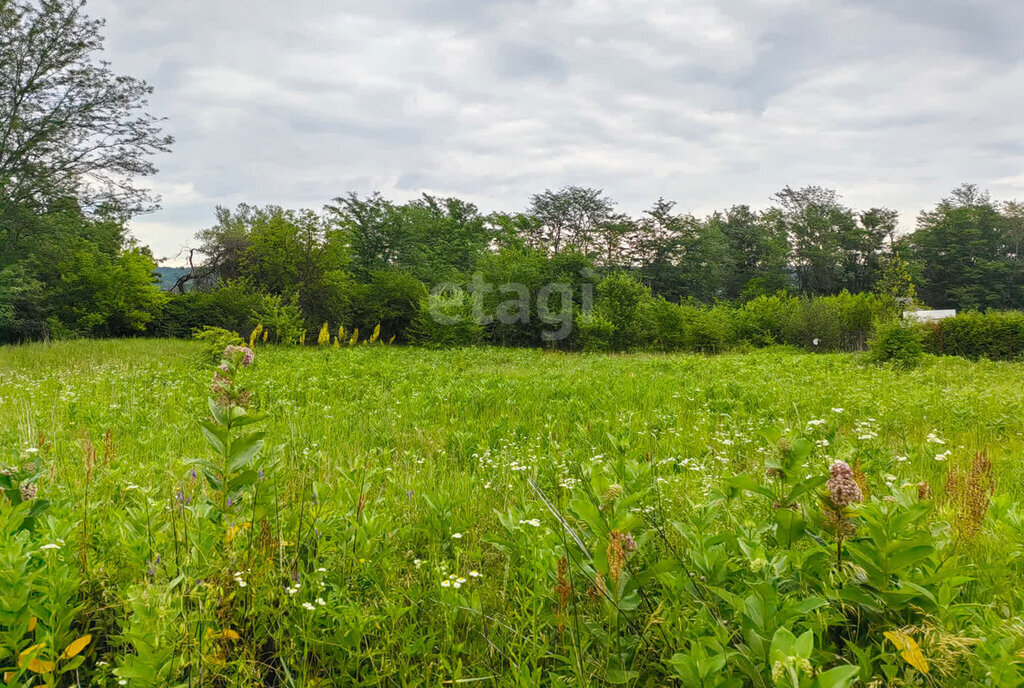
(669, 324)
(624, 315)
(708, 330)
(998, 335)
(594, 332)
(837, 323)
(231, 306)
(392, 300)
(446, 319)
(896, 342)
(280, 317)
(626, 304)
(824, 323)
(215, 340)
(765, 320)
(524, 277)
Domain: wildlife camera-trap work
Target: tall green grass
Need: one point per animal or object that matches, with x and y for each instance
(383, 457)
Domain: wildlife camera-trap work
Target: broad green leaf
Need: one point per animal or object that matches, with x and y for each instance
(837, 677)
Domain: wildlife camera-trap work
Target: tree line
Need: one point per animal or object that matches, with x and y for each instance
(77, 138)
(367, 259)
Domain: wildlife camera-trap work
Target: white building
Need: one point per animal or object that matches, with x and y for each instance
(929, 316)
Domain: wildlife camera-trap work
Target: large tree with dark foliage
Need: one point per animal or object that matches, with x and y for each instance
(70, 127)
(969, 253)
(75, 138)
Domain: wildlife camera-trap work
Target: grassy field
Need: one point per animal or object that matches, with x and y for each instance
(508, 517)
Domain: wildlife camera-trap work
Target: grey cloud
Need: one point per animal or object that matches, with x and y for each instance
(521, 60)
(707, 102)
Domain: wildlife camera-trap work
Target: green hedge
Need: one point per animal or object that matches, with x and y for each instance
(625, 317)
(997, 335)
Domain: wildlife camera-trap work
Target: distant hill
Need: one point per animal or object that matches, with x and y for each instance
(168, 276)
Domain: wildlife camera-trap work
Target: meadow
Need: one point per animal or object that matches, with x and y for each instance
(394, 516)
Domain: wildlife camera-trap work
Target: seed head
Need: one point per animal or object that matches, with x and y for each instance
(28, 491)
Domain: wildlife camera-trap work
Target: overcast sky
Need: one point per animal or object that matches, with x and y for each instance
(891, 102)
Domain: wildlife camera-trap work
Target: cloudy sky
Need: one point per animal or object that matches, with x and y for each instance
(709, 103)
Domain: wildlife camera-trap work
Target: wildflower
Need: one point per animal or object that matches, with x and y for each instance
(457, 584)
(220, 383)
(457, 536)
(535, 522)
(50, 545)
(475, 574)
(28, 491)
(837, 410)
(308, 606)
(943, 456)
(247, 354)
(320, 601)
(419, 562)
(842, 487)
(446, 584)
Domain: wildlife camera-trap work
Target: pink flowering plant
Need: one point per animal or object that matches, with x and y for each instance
(230, 474)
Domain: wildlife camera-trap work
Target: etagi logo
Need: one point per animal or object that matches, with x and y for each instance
(555, 304)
